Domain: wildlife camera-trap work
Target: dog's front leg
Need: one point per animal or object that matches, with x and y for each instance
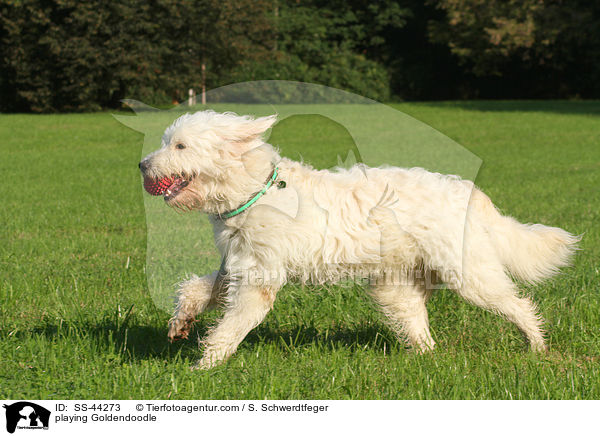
(195, 296)
(246, 308)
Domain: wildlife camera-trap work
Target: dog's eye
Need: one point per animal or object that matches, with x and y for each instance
(180, 146)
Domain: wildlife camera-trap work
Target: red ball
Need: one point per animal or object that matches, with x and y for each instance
(157, 186)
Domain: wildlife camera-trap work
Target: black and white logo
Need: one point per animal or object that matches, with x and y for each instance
(26, 415)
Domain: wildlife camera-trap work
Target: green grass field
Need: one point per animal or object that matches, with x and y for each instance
(77, 319)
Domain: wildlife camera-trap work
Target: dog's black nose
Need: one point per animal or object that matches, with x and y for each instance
(143, 165)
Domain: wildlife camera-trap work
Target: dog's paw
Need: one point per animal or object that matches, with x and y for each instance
(180, 328)
(212, 357)
(423, 349)
(204, 364)
(538, 347)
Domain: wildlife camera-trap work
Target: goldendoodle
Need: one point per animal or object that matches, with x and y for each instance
(275, 220)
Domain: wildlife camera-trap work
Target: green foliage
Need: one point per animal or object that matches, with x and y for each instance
(69, 55)
(343, 70)
(486, 33)
(545, 47)
(330, 43)
(65, 55)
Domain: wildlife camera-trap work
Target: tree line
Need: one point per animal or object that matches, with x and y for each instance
(68, 55)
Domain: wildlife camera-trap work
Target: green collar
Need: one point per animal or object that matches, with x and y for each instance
(253, 199)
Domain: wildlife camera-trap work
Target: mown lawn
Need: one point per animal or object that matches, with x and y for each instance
(77, 319)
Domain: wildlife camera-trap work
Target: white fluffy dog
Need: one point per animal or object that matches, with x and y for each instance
(373, 221)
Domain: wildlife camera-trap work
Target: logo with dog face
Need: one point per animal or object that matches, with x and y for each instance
(26, 415)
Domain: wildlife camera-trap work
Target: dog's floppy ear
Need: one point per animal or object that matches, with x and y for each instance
(260, 125)
(247, 129)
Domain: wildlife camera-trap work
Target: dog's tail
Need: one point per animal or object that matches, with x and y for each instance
(530, 252)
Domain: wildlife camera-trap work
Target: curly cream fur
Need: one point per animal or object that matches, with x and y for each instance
(352, 222)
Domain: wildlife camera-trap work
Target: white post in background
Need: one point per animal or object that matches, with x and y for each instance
(191, 97)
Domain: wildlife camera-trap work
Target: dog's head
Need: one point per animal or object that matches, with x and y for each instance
(210, 161)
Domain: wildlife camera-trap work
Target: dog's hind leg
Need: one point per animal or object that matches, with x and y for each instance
(489, 287)
(196, 295)
(404, 306)
(245, 308)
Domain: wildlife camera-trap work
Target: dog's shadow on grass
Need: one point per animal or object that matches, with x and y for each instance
(142, 342)
(289, 339)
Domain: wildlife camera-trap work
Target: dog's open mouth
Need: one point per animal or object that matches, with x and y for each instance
(168, 187)
(176, 187)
